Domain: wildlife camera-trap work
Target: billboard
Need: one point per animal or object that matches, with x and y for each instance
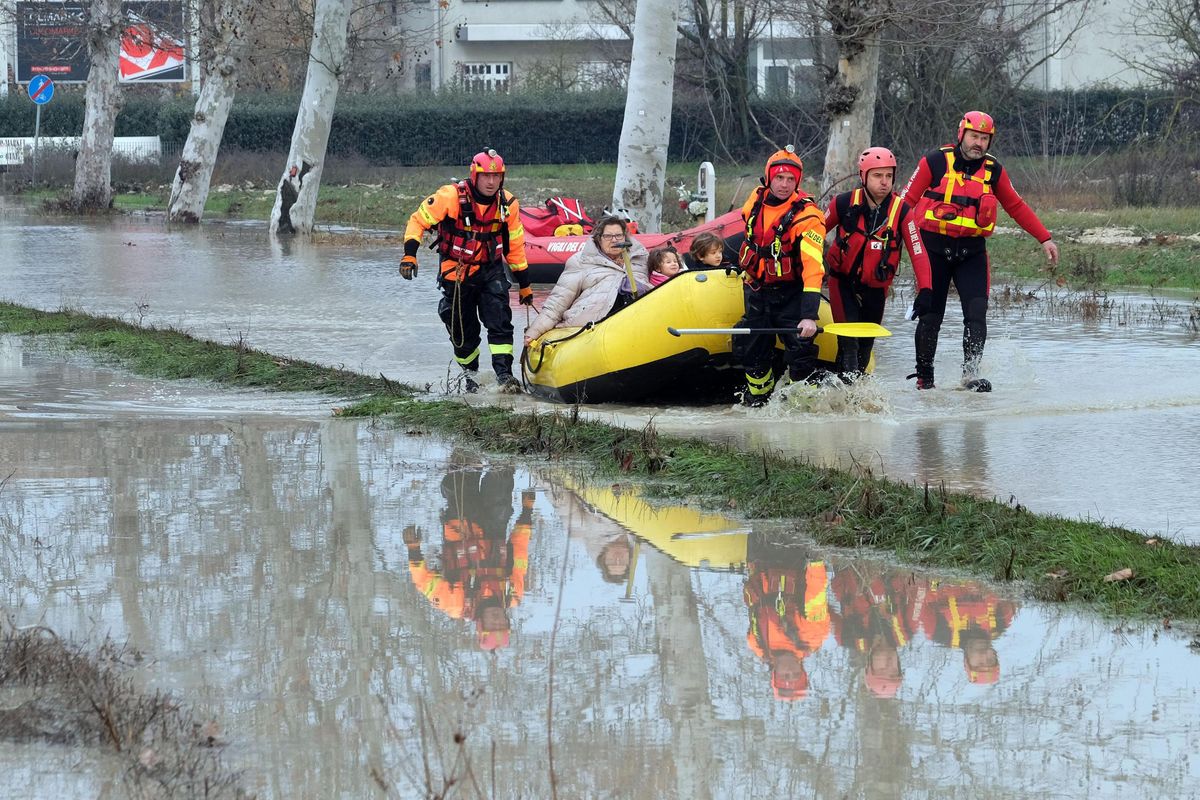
(51, 41)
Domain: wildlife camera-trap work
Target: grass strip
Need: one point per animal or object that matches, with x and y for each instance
(1062, 559)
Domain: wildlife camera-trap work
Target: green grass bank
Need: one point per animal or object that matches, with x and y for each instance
(1062, 560)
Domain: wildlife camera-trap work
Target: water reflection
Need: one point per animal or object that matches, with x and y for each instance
(479, 573)
(347, 600)
(788, 600)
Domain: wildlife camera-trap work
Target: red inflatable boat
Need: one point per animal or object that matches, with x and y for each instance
(548, 254)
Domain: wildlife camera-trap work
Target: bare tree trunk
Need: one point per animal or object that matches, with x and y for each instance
(646, 131)
(296, 199)
(850, 98)
(93, 164)
(189, 191)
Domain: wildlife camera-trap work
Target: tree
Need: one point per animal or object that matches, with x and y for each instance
(296, 198)
(224, 34)
(646, 131)
(950, 52)
(849, 105)
(1174, 61)
(103, 26)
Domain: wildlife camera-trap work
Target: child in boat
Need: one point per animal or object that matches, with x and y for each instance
(707, 251)
(663, 263)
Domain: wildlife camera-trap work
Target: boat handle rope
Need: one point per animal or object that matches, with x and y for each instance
(527, 363)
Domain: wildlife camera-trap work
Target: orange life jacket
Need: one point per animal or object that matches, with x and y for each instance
(781, 618)
(472, 240)
(961, 204)
(871, 257)
(767, 254)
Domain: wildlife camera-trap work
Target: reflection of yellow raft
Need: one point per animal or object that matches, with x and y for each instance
(631, 356)
(689, 536)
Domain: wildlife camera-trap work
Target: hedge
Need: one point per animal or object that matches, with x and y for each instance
(561, 127)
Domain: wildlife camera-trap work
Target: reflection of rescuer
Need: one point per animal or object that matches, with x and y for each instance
(782, 257)
(878, 613)
(478, 228)
(955, 191)
(966, 616)
(786, 596)
(869, 226)
(482, 568)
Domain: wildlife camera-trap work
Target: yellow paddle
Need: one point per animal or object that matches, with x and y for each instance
(853, 330)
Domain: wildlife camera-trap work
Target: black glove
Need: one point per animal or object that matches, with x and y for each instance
(923, 304)
(408, 267)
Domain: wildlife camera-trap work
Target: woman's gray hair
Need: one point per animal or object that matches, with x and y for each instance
(603, 223)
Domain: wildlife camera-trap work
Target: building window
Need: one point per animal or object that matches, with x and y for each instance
(601, 75)
(777, 81)
(424, 78)
(486, 77)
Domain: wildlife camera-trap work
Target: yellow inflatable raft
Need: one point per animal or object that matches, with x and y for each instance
(630, 356)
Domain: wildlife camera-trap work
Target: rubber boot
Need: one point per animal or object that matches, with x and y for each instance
(470, 376)
(926, 343)
(502, 365)
(974, 338)
(759, 384)
(848, 366)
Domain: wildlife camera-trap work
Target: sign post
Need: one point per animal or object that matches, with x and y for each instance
(41, 91)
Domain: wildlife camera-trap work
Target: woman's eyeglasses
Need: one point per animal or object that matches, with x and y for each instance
(612, 237)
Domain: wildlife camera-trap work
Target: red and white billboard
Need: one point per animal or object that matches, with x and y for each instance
(51, 40)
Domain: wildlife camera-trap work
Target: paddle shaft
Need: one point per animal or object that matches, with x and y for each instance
(858, 330)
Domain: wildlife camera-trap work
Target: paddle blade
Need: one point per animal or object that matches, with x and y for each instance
(857, 330)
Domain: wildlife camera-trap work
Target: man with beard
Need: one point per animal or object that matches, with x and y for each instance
(955, 191)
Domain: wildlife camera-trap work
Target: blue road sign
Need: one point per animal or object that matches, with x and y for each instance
(41, 89)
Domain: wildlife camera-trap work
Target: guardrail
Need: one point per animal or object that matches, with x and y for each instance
(15, 150)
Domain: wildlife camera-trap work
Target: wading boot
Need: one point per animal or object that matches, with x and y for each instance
(470, 381)
(502, 365)
(924, 379)
(759, 385)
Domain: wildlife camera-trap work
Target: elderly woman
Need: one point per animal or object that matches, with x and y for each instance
(593, 280)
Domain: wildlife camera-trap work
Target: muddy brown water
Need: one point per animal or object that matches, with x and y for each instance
(1089, 419)
(344, 600)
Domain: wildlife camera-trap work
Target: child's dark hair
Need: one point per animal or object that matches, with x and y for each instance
(658, 254)
(705, 242)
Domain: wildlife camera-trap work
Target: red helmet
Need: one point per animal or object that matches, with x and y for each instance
(976, 121)
(487, 162)
(790, 688)
(492, 640)
(785, 159)
(875, 158)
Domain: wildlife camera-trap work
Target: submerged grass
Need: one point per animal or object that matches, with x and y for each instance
(1063, 560)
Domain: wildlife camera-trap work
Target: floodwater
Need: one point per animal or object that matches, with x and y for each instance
(344, 600)
(1093, 419)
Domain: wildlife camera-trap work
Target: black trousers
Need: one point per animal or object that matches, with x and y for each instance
(963, 261)
(778, 306)
(479, 301)
(853, 302)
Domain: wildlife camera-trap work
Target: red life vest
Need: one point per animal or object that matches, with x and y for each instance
(961, 204)
(470, 240)
(870, 257)
(767, 252)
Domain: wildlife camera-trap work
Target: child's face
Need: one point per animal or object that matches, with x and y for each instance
(669, 265)
(712, 257)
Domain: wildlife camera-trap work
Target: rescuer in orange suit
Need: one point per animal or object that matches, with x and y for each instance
(787, 599)
(481, 571)
(955, 191)
(479, 228)
(782, 258)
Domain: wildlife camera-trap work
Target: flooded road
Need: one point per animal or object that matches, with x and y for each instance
(1089, 419)
(344, 600)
